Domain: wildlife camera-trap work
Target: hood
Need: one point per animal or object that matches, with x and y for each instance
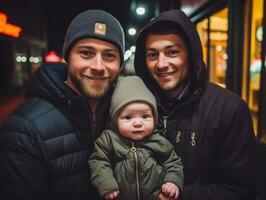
(198, 72)
(130, 89)
(48, 82)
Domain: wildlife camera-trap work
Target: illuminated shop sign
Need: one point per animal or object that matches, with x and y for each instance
(52, 57)
(7, 28)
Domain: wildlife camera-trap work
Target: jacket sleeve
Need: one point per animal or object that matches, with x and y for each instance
(23, 174)
(100, 165)
(235, 168)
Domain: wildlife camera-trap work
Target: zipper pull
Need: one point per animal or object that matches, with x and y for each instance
(164, 121)
(177, 140)
(133, 148)
(193, 139)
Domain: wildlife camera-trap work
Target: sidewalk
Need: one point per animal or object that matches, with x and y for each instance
(9, 104)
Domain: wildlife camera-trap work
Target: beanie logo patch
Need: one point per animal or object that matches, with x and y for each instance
(100, 28)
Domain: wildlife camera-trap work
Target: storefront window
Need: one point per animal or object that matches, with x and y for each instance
(255, 60)
(214, 36)
(202, 28)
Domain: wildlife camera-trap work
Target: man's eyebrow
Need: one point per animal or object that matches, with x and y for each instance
(174, 45)
(85, 47)
(111, 50)
(166, 47)
(151, 49)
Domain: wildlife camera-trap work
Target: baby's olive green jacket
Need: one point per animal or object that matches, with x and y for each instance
(138, 169)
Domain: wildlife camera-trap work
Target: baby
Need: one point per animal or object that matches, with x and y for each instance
(132, 161)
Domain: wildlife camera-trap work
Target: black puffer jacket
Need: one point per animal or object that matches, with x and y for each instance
(45, 144)
(210, 127)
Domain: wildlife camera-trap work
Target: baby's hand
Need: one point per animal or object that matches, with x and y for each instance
(111, 195)
(170, 189)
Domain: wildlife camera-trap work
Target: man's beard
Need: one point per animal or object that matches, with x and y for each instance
(91, 90)
(177, 90)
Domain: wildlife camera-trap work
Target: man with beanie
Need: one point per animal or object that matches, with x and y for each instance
(45, 144)
(132, 161)
(209, 126)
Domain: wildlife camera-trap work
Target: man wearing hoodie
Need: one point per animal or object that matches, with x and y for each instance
(45, 144)
(132, 161)
(210, 127)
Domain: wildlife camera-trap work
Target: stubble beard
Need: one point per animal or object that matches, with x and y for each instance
(91, 90)
(177, 87)
(173, 89)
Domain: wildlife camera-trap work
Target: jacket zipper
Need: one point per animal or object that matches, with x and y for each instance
(93, 122)
(181, 140)
(178, 135)
(94, 126)
(165, 122)
(193, 139)
(165, 117)
(134, 151)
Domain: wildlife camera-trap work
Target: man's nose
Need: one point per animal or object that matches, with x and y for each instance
(162, 61)
(97, 63)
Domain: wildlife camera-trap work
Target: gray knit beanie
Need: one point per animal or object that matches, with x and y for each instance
(131, 89)
(95, 24)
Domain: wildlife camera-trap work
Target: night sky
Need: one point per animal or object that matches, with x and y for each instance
(59, 16)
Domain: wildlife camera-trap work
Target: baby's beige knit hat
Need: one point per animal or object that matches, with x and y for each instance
(131, 89)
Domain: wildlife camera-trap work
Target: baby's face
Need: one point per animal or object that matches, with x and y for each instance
(136, 121)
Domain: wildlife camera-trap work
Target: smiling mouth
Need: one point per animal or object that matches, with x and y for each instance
(96, 78)
(165, 74)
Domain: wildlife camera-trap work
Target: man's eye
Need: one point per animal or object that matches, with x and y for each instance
(87, 54)
(151, 55)
(109, 56)
(172, 53)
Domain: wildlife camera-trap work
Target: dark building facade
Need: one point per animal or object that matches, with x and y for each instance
(23, 43)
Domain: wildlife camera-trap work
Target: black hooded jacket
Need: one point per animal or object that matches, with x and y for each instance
(210, 127)
(45, 144)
